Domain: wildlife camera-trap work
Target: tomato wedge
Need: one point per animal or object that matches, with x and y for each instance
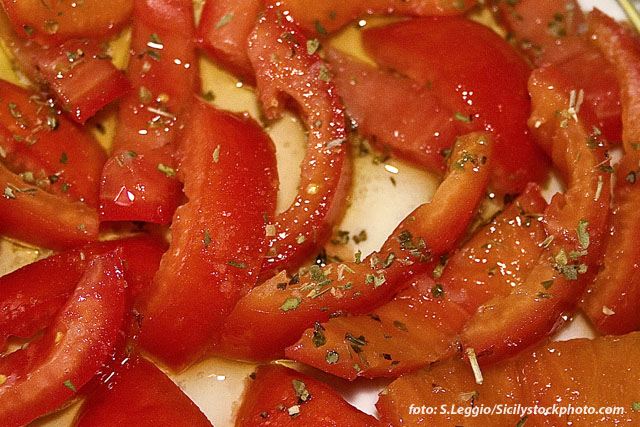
(140, 394)
(224, 31)
(553, 31)
(31, 295)
(138, 181)
(575, 223)
(218, 242)
(78, 73)
(284, 67)
(484, 84)
(279, 396)
(557, 375)
(45, 147)
(610, 300)
(418, 326)
(53, 21)
(322, 17)
(47, 373)
(274, 315)
(30, 214)
(407, 119)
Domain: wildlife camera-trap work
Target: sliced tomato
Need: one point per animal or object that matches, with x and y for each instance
(284, 67)
(484, 84)
(557, 375)
(224, 31)
(53, 21)
(47, 373)
(322, 17)
(46, 148)
(575, 222)
(279, 396)
(274, 315)
(31, 295)
(218, 242)
(140, 394)
(610, 300)
(407, 119)
(30, 214)
(77, 73)
(554, 31)
(418, 326)
(138, 182)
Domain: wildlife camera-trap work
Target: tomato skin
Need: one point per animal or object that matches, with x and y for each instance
(73, 348)
(485, 80)
(165, 79)
(273, 385)
(505, 324)
(61, 148)
(610, 302)
(140, 394)
(227, 42)
(418, 326)
(77, 73)
(228, 167)
(31, 295)
(262, 323)
(320, 18)
(407, 119)
(560, 373)
(42, 219)
(325, 176)
(54, 21)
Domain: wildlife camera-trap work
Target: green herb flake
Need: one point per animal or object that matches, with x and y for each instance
(398, 324)
(631, 177)
(301, 390)
(543, 295)
(358, 257)
(68, 384)
(360, 237)
(546, 242)
(437, 291)
(635, 406)
(522, 422)
(300, 239)
(64, 158)
(464, 118)
(389, 261)
(208, 96)
(28, 29)
(168, 171)
(313, 46)
(154, 38)
(65, 187)
(319, 28)
(216, 154)
(81, 227)
(547, 283)
(583, 234)
(236, 264)
(332, 357)
(290, 304)
(207, 239)
(8, 193)
(224, 20)
(144, 95)
(18, 138)
(318, 338)
(323, 74)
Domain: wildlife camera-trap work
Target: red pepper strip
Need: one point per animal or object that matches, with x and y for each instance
(78, 73)
(54, 21)
(138, 181)
(48, 149)
(142, 395)
(484, 83)
(557, 375)
(611, 302)
(274, 315)
(30, 214)
(31, 295)
(553, 31)
(223, 33)
(322, 17)
(417, 327)
(218, 242)
(283, 66)
(47, 373)
(575, 221)
(407, 118)
(279, 396)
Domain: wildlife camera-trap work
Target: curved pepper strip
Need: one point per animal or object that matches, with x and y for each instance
(30, 214)
(274, 315)
(611, 301)
(575, 223)
(279, 396)
(48, 372)
(49, 150)
(284, 67)
(31, 295)
(139, 182)
(228, 166)
(417, 327)
(559, 374)
(140, 394)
